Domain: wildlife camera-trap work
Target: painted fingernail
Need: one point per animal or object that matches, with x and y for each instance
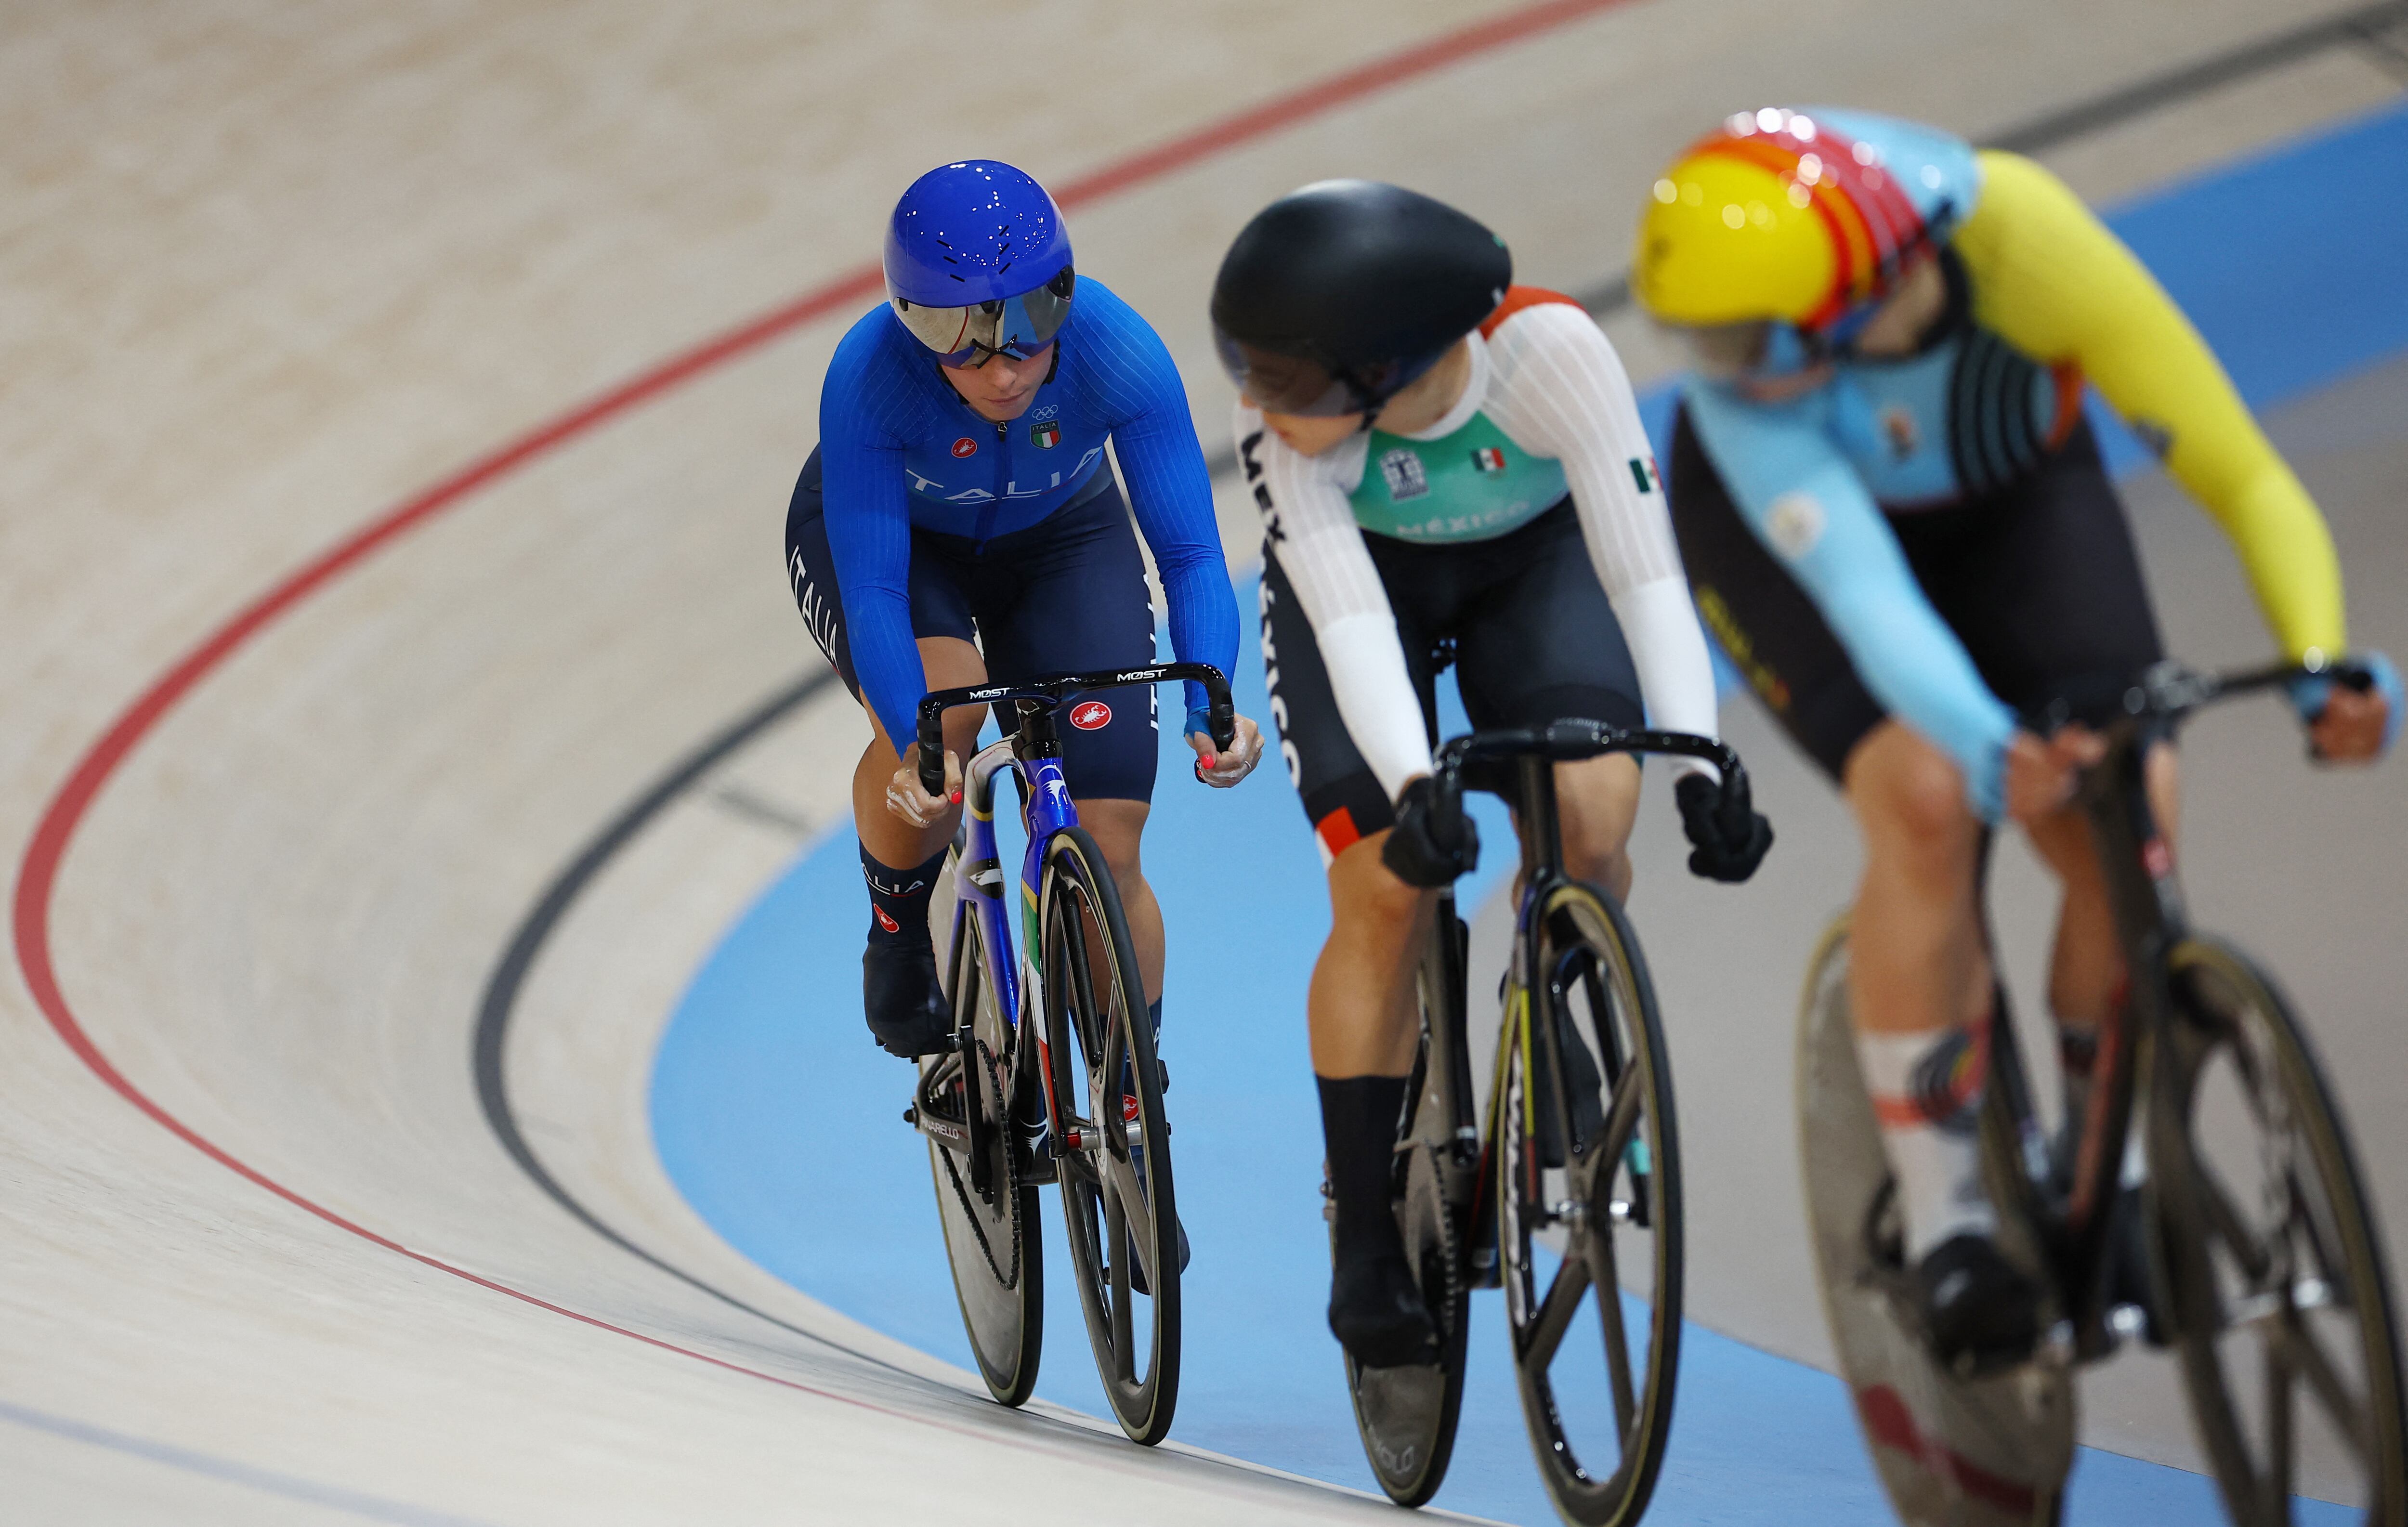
(956, 797)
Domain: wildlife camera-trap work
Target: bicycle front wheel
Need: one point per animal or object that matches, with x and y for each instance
(1110, 1136)
(2271, 1261)
(1588, 1195)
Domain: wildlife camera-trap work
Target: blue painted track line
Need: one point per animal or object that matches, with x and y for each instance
(780, 1123)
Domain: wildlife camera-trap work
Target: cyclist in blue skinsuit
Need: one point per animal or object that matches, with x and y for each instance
(960, 492)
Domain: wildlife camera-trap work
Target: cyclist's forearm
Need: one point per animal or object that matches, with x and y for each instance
(1376, 698)
(1676, 677)
(886, 660)
(2287, 551)
(1203, 617)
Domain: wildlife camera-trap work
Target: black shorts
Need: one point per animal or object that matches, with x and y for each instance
(2039, 579)
(1522, 620)
(1067, 593)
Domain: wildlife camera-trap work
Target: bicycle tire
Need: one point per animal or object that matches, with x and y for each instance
(1098, 1049)
(1586, 949)
(1988, 1451)
(990, 1226)
(1406, 1417)
(2320, 1269)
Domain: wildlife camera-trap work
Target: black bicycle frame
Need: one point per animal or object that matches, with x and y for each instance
(1534, 752)
(2150, 919)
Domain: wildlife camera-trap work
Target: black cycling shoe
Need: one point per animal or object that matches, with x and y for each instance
(1377, 1314)
(1979, 1310)
(901, 1000)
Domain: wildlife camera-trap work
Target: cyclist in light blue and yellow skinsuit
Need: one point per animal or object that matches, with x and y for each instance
(1895, 518)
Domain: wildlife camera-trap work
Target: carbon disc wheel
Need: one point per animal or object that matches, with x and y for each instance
(1991, 1452)
(988, 1213)
(1406, 1416)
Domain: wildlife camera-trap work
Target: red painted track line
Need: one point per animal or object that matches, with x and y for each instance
(37, 872)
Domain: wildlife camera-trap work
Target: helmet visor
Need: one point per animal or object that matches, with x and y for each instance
(1299, 385)
(1762, 351)
(1726, 352)
(1018, 326)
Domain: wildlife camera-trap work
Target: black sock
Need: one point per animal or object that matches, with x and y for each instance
(1153, 1011)
(898, 899)
(1358, 1129)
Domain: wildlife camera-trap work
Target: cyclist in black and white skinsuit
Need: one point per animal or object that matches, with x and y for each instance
(1451, 470)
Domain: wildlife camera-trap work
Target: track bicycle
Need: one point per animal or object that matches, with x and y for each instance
(2211, 1203)
(1566, 1185)
(1052, 1075)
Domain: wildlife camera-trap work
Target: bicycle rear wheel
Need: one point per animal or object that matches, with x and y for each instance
(988, 1212)
(1589, 1203)
(2273, 1263)
(1406, 1416)
(1988, 1451)
(1112, 1139)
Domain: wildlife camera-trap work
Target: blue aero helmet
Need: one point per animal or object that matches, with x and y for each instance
(977, 264)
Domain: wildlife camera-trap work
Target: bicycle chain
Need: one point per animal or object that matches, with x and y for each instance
(1009, 1189)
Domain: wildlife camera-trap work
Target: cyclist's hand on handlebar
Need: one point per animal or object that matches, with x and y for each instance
(2042, 772)
(1421, 852)
(1221, 769)
(907, 800)
(2348, 725)
(1728, 835)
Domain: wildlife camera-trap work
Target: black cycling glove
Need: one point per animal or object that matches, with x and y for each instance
(1730, 836)
(1417, 852)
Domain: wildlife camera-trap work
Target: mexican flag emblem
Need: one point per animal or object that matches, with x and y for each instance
(1643, 474)
(1489, 459)
(1045, 437)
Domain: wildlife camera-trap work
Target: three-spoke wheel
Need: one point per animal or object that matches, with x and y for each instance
(2274, 1271)
(1589, 1201)
(1111, 1140)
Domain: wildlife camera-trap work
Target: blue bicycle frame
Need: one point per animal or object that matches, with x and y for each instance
(1034, 753)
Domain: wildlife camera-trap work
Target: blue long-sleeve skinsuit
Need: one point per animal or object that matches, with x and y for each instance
(1031, 502)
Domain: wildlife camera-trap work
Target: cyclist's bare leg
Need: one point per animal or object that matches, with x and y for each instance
(1117, 827)
(949, 664)
(1919, 975)
(1365, 1027)
(1360, 1005)
(1916, 959)
(2087, 971)
(1596, 800)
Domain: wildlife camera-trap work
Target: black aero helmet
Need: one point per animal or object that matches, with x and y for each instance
(1336, 296)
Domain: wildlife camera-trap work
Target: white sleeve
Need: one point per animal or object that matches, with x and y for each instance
(1308, 525)
(1560, 391)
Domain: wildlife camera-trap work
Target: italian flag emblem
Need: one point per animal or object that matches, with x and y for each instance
(1644, 473)
(1489, 460)
(1045, 437)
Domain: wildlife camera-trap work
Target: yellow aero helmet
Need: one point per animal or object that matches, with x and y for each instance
(1771, 215)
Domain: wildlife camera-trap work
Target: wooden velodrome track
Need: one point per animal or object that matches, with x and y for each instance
(269, 274)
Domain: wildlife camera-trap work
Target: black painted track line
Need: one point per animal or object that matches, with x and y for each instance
(518, 959)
